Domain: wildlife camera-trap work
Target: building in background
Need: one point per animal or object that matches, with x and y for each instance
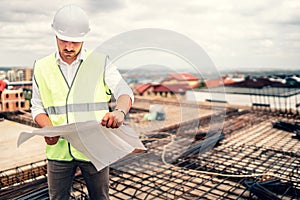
(174, 84)
(16, 74)
(13, 100)
(182, 78)
(17, 93)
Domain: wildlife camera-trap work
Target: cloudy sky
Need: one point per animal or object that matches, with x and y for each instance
(235, 34)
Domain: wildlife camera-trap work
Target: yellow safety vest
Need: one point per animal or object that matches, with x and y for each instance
(85, 99)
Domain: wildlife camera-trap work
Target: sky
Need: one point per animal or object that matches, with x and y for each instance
(235, 34)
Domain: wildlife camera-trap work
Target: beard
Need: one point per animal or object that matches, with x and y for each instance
(70, 54)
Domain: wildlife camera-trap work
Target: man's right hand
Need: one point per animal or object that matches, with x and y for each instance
(43, 120)
(51, 140)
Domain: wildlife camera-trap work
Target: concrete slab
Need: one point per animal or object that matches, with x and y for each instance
(175, 114)
(10, 155)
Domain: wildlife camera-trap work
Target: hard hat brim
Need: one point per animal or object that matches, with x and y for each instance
(68, 38)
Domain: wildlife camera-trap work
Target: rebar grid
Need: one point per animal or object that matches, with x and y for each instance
(218, 174)
(18, 175)
(23, 180)
(146, 177)
(185, 137)
(79, 190)
(251, 151)
(263, 134)
(229, 165)
(245, 160)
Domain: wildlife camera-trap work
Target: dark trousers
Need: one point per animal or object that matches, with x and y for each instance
(61, 174)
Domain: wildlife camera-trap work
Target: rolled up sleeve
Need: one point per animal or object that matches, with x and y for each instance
(116, 83)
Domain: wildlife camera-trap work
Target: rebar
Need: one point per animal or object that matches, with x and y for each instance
(251, 153)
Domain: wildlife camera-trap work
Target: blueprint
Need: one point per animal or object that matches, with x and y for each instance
(103, 146)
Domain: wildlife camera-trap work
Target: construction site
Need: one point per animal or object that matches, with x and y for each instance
(197, 151)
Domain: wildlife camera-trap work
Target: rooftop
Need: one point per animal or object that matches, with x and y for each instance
(183, 76)
(265, 91)
(191, 157)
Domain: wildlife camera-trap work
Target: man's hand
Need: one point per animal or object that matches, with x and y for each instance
(43, 120)
(113, 119)
(51, 140)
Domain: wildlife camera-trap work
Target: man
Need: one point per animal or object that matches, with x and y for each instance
(58, 78)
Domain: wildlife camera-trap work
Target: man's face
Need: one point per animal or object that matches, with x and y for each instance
(68, 50)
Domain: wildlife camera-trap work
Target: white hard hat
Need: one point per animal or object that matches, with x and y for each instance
(70, 23)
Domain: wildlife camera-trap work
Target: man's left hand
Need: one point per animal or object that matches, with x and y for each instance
(113, 119)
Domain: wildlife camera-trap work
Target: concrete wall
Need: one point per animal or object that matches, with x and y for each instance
(245, 100)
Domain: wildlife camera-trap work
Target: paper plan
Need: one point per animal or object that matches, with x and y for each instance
(101, 145)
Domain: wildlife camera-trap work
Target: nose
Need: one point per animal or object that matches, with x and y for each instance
(68, 45)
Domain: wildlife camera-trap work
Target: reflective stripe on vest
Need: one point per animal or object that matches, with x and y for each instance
(85, 99)
(80, 107)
